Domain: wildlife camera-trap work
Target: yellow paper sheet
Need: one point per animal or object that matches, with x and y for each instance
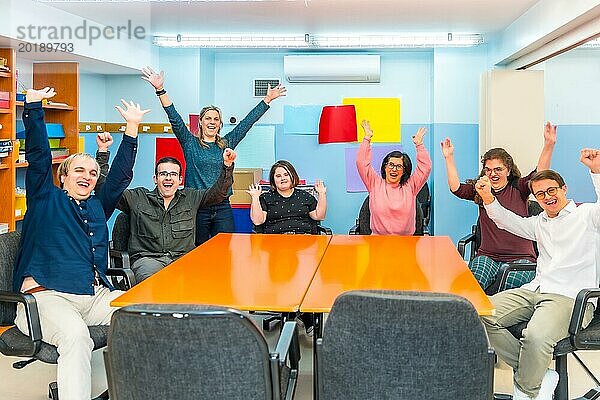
(383, 115)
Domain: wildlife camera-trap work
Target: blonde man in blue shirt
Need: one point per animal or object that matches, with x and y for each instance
(63, 254)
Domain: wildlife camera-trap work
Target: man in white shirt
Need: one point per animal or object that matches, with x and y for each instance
(568, 239)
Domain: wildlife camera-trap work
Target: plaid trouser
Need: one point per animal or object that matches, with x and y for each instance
(485, 271)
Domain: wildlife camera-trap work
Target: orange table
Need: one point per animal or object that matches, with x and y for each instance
(243, 271)
(417, 263)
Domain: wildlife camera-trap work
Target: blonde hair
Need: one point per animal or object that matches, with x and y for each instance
(218, 139)
(63, 168)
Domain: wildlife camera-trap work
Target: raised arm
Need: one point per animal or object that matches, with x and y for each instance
(234, 137)
(318, 214)
(219, 192)
(157, 80)
(38, 179)
(423, 169)
(451, 171)
(363, 158)
(257, 215)
(503, 218)
(103, 141)
(121, 172)
(549, 141)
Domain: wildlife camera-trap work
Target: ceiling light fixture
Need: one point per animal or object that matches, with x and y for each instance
(308, 41)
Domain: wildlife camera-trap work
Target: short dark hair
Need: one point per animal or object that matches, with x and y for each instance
(546, 174)
(288, 167)
(406, 165)
(167, 160)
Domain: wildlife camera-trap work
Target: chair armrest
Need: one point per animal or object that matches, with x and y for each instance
(125, 273)
(354, 229)
(31, 314)
(324, 229)
(510, 267)
(120, 255)
(575, 326)
(462, 243)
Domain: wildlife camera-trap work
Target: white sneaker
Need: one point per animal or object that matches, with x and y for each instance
(518, 395)
(549, 383)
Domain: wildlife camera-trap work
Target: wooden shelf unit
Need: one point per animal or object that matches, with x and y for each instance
(64, 78)
(8, 83)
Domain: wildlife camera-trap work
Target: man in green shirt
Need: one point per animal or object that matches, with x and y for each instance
(163, 220)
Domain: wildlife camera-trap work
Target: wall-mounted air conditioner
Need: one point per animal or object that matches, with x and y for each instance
(331, 68)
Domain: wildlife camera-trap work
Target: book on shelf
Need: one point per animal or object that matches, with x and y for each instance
(59, 152)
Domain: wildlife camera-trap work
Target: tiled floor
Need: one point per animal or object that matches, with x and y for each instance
(31, 382)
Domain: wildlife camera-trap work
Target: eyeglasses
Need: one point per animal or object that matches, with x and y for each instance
(397, 167)
(497, 170)
(167, 174)
(541, 195)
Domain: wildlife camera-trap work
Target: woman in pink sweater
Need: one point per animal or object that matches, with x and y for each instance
(392, 196)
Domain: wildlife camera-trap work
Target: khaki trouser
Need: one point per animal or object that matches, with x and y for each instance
(64, 319)
(548, 316)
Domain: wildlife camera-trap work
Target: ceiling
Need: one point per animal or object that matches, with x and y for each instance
(310, 16)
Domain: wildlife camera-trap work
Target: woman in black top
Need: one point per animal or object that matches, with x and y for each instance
(284, 209)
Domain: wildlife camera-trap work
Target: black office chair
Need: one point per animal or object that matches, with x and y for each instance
(119, 256)
(473, 241)
(362, 225)
(15, 343)
(196, 352)
(404, 345)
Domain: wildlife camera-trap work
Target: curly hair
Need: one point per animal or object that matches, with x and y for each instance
(497, 153)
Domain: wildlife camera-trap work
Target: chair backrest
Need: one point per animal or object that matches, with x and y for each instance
(121, 232)
(422, 213)
(404, 345)
(186, 352)
(9, 247)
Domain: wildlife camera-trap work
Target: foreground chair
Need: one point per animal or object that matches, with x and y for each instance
(196, 352)
(404, 345)
(15, 343)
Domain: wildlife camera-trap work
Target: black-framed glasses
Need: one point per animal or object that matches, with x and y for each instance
(551, 191)
(168, 174)
(397, 167)
(497, 170)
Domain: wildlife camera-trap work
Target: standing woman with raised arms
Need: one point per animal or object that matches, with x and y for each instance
(204, 153)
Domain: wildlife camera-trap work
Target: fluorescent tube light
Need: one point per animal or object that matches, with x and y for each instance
(232, 41)
(422, 40)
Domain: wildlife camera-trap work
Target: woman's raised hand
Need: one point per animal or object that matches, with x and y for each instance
(254, 191)
(447, 148)
(418, 138)
(320, 187)
(274, 92)
(367, 128)
(155, 79)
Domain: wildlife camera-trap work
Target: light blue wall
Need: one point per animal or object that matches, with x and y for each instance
(572, 82)
(439, 89)
(455, 103)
